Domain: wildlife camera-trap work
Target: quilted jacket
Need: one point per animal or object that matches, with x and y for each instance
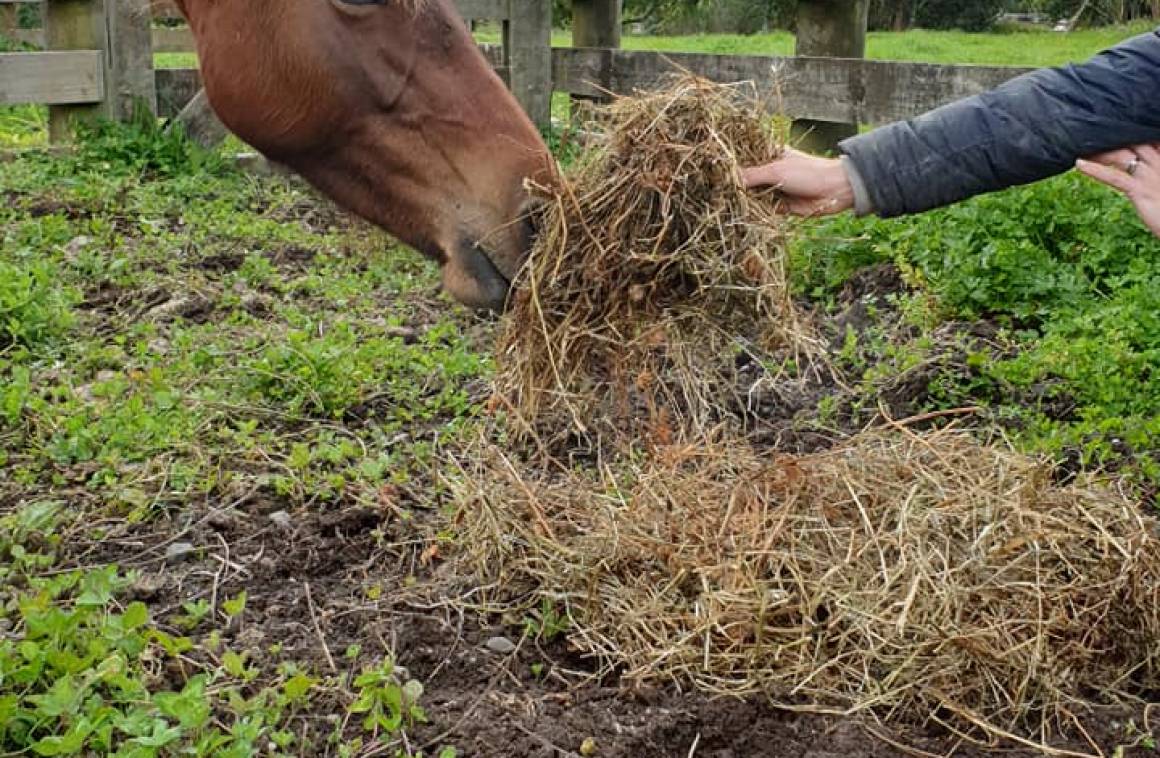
(1030, 128)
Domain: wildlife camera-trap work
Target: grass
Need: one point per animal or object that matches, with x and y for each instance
(1012, 48)
(170, 330)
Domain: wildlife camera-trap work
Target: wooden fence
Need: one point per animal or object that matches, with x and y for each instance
(47, 77)
(100, 56)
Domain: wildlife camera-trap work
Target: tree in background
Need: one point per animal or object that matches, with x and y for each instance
(972, 16)
(726, 16)
(977, 15)
(1098, 11)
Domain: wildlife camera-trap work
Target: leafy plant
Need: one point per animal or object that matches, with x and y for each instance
(547, 623)
(385, 702)
(77, 680)
(34, 307)
(143, 146)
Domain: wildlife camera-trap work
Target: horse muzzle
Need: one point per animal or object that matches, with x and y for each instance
(480, 273)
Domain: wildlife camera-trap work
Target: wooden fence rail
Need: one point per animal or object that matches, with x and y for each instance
(846, 90)
(823, 89)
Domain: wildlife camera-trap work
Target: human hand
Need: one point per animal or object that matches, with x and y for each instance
(1135, 172)
(812, 186)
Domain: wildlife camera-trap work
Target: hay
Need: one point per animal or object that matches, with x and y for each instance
(654, 268)
(898, 576)
(909, 577)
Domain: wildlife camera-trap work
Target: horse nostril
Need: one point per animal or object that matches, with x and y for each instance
(485, 284)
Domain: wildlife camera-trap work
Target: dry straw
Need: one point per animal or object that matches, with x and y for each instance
(906, 577)
(898, 576)
(655, 270)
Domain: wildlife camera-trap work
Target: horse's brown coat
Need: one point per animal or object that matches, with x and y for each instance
(391, 111)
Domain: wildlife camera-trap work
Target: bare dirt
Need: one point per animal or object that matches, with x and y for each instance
(308, 588)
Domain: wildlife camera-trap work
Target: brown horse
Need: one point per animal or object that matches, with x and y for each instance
(389, 108)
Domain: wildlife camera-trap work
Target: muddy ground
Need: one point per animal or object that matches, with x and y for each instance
(307, 575)
(340, 585)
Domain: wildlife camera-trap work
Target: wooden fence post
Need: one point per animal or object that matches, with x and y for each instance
(121, 30)
(130, 81)
(596, 23)
(72, 25)
(9, 19)
(829, 29)
(527, 43)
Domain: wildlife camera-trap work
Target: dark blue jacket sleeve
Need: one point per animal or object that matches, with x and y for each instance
(1028, 129)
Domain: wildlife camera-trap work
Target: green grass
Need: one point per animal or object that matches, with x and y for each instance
(1014, 48)
(172, 329)
(1071, 277)
(175, 60)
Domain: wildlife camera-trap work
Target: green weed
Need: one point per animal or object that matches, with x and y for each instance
(546, 623)
(1070, 272)
(78, 676)
(34, 307)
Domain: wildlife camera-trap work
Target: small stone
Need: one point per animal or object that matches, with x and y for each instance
(221, 520)
(179, 551)
(501, 645)
(282, 519)
(588, 747)
(74, 247)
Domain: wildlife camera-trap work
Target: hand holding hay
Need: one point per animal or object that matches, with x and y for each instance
(655, 268)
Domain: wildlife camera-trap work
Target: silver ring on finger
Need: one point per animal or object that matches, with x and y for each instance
(1133, 165)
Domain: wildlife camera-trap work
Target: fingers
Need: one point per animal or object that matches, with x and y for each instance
(775, 173)
(1130, 159)
(1113, 177)
(1120, 159)
(1149, 154)
(760, 176)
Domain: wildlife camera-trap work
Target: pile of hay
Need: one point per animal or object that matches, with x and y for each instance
(912, 577)
(655, 269)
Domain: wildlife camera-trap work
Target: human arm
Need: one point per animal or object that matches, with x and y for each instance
(1034, 126)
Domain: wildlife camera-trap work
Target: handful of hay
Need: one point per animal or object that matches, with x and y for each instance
(655, 269)
(912, 577)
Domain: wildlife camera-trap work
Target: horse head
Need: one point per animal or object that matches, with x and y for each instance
(389, 108)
